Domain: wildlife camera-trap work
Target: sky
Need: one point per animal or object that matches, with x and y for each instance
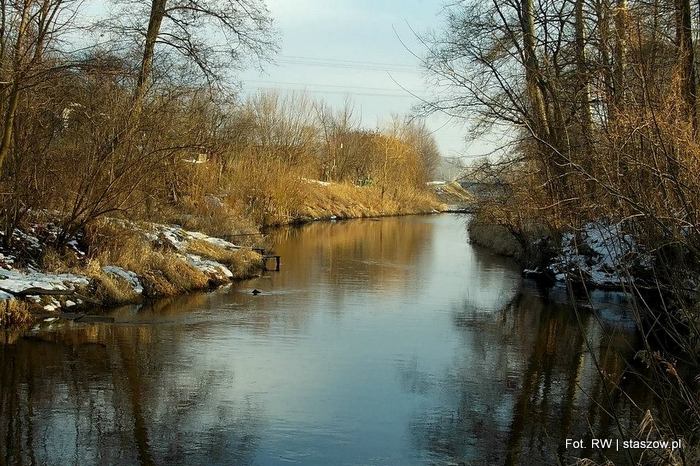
(362, 49)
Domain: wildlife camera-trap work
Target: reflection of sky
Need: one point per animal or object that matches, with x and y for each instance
(333, 379)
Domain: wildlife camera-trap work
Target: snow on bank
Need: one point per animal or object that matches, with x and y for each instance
(214, 270)
(602, 254)
(31, 285)
(49, 290)
(27, 282)
(127, 275)
(179, 238)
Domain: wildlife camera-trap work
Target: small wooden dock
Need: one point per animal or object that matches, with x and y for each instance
(267, 256)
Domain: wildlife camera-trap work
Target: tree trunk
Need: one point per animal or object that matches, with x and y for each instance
(621, 25)
(686, 58)
(13, 99)
(538, 111)
(546, 120)
(146, 69)
(583, 95)
(602, 17)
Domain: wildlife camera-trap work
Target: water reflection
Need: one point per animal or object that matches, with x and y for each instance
(380, 342)
(525, 381)
(112, 395)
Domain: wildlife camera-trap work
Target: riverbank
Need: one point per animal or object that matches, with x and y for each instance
(599, 255)
(112, 262)
(116, 261)
(335, 201)
(329, 201)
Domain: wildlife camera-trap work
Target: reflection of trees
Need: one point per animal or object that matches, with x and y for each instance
(110, 395)
(524, 383)
(373, 254)
(383, 255)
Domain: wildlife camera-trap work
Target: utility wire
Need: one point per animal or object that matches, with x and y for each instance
(342, 60)
(347, 64)
(321, 91)
(321, 85)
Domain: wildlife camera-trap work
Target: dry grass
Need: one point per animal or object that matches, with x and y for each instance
(211, 251)
(453, 193)
(179, 273)
(14, 313)
(114, 244)
(112, 290)
(56, 261)
(272, 193)
(155, 283)
(269, 190)
(210, 215)
(162, 272)
(109, 289)
(243, 263)
(346, 200)
(246, 264)
(259, 189)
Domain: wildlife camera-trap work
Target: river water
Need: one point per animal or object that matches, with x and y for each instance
(387, 341)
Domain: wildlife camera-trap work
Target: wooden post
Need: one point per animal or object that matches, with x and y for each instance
(278, 262)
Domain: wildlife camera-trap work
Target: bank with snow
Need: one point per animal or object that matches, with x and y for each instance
(600, 254)
(116, 262)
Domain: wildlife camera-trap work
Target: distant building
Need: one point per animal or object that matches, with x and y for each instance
(197, 158)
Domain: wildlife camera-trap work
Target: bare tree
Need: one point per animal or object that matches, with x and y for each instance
(28, 31)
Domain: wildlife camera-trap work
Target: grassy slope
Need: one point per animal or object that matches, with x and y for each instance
(348, 201)
(452, 193)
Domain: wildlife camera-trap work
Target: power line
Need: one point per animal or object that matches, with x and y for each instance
(341, 60)
(347, 64)
(332, 86)
(344, 67)
(322, 91)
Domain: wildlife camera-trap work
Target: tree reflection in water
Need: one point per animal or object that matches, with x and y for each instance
(526, 382)
(379, 342)
(96, 394)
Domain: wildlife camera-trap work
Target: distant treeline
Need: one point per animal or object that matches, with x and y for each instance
(131, 113)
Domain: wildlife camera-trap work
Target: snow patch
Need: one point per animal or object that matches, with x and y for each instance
(211, 268)
(53, 305)
(602, 254)
(130, 277)
(17, 282)
(179, 238)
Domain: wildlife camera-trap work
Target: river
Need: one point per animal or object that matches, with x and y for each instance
(389, 341)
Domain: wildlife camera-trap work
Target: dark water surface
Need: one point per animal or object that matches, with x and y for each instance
(380, 342)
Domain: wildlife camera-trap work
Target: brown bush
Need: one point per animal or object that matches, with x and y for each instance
(109, 289)
(245, 264)
(14, 313)
(182, 275)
